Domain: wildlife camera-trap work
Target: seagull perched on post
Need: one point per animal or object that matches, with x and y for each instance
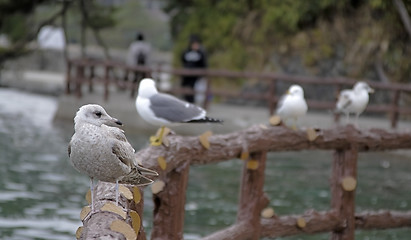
(100, 150)
(354, 100)
(292, 104)
(162, 109)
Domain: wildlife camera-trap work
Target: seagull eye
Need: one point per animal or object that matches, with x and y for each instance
(98, 114)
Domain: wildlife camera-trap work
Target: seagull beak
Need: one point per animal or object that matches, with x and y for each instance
(118, 122)
(288, 92)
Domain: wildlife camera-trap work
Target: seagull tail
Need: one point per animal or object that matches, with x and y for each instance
(137, 178)
(206, 120)
(146, 171)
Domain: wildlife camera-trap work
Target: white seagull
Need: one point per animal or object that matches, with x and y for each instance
(162, 109)
(292, 105)
(353, 100)
(101, 151)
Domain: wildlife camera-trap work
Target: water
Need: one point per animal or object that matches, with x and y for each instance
(41, 195)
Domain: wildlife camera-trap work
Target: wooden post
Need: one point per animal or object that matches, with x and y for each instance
(137, 76)
(252, 199)
(106, 81)
(343, 184)
(126, 72)
(138, 206)
(79, 79)
(272, 97)
(168, 217)
(90, 79)
(110, 221)
(394, 108)
(207, 94)
(68, 76)
(337, 93)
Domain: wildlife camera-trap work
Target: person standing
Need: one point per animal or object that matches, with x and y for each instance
(138, 55)
(193, 57)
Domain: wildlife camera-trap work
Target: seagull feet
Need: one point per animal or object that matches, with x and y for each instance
(156, 141)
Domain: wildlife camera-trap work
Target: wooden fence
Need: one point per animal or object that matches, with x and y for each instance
(252, 145)
(86, 71)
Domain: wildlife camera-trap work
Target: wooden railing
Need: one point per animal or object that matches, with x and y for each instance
(252, 145)
(86, 71)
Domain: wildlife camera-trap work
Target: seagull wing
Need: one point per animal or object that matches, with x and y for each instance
(69, 149)
(137, 175)
(116, 133)
(280, 103)
(344, 100)
(121, 148)
(173, 109)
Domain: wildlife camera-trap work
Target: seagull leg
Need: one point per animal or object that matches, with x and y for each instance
(294, 126)
(116, 192)
(157, 140)
(356, 119)
(92, 194)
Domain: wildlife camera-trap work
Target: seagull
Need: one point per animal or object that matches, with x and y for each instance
(292, 104)
(162, 109)
(100, 150)
(354, 100)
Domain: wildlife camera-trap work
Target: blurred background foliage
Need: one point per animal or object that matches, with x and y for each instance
(323, 37)
(354, 38)
(110, 24)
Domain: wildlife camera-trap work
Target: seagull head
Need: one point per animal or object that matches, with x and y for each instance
(96, 115)
(147, 88)
(296, 90)
(361, 86)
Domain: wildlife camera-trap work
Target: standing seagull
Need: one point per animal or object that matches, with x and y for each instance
(162, 110)
(354, 100)
(103, 152)
(292, 104)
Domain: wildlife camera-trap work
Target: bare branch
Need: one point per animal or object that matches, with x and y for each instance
(18, 48)
(96, 33)
(405, 17)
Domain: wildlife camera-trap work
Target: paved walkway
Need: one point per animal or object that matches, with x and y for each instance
(235, 117)
(123, 107)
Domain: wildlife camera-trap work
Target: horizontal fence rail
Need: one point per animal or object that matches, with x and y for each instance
(87, 71)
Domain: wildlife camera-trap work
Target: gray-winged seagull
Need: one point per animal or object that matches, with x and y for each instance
(162, 109)
(101, 150)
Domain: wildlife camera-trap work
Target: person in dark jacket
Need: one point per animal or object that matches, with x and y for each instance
(192, 58)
